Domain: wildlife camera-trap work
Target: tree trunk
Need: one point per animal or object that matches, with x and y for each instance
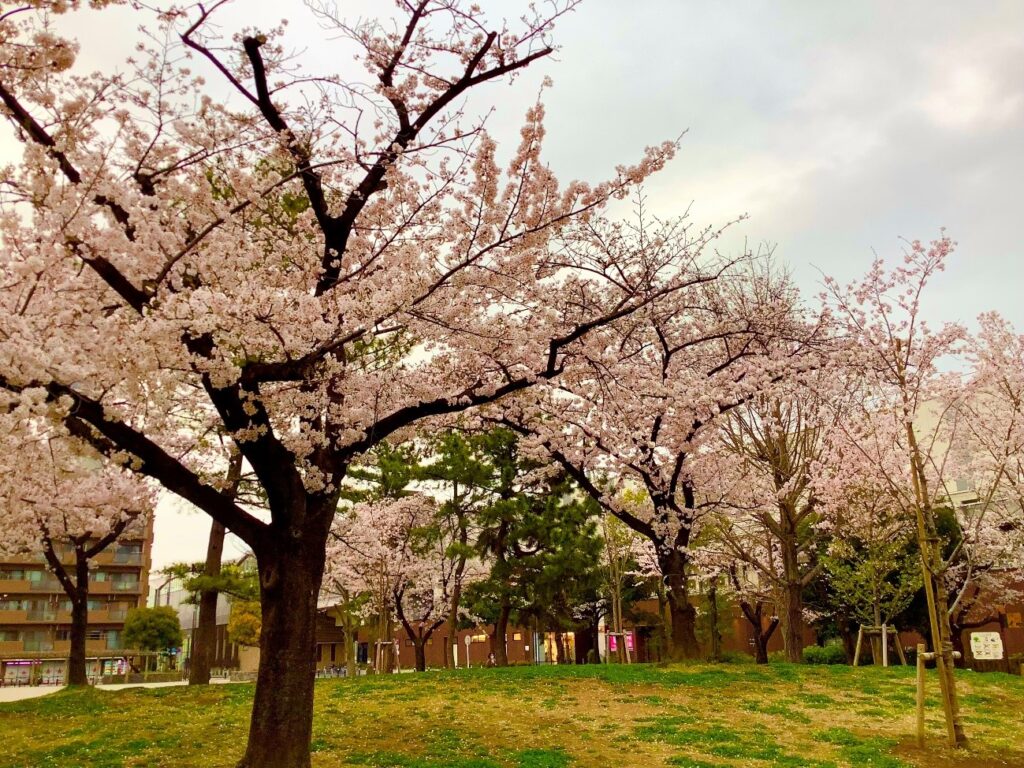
(715, 630)
(350, 652)
(683, 643)
(290, 572)
(205, 636)
(79, 621)
(452, 628)
(793, 598)
(559, 647)
(498, 639)
(419, 646)
(761, 636)
(793, 621)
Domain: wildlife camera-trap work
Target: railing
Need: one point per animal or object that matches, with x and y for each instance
(127, 558)
(38, 645)
(46, 614)
(117, 615)
(47, 585)
(125, 586)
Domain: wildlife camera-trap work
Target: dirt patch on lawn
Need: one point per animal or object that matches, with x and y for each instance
(940, 757)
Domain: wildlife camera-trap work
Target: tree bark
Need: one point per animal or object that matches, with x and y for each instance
(793, 598)
(79, 620)
(290, 573)
(350, 652)
(205, 636)
(713, 620)
(498, 638)
(452, 627)
(419, 645)
(761, 635)
(683, 616)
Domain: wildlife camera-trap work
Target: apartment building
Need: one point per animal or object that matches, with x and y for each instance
(172, 593)
(35, 613)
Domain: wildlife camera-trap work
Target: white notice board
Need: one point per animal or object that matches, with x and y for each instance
(986, 646)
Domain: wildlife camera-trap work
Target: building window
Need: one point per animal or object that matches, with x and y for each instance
(333, 647)
(479, 638)
(319, 652)
(964, 484)
(517, 635)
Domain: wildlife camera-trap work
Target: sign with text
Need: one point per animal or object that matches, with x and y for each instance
(986, 646)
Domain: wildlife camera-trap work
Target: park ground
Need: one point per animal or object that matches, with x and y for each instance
(694, 716)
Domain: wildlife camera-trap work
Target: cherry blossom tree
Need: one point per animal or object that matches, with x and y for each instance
(314, 261)
(988, 462)
(58, 500)
(388, 550)
(777, 441)
(871, 561)
(640, 411)
(898, 431)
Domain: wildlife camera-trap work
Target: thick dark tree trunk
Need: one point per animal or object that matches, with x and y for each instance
(683, 616)
(760, 635)
(793, 622)
(792, 618)
(79, 621)
(282, 714)
(498, 638)
(419, 645)
(205, 636)
(560, 646)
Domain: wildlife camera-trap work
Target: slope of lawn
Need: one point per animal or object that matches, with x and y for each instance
(698, 716)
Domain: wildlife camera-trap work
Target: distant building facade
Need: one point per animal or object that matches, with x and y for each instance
(35, 613)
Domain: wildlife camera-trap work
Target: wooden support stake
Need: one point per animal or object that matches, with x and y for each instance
(920, 694)
(885, 646)
(899, 648)
(856, 652)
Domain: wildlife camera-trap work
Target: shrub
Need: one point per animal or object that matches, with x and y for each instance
(831, 653)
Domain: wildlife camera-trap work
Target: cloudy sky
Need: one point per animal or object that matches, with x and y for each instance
(836, 127)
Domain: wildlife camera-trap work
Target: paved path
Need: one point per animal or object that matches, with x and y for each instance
(20, 692)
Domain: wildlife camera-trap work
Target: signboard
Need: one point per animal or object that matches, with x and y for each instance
(613, 642)
(986, 646)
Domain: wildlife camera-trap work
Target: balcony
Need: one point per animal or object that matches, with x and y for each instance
(45, 614)
(37, 646)
(46, 585)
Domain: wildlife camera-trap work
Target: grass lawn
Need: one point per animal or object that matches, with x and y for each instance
(697, 716)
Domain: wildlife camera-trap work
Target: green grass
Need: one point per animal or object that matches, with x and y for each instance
(693, 716)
